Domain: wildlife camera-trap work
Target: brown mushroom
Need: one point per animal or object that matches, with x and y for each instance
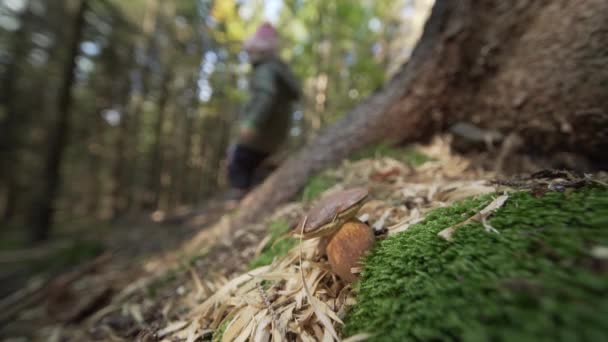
(332, 211)
(328, 220)
(347, 246)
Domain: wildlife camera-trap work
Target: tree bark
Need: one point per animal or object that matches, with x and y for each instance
(156, 159)
(95, 158)
(184, 173)
(536, 68)
(145, 45)
(118, 170)
(41, 216)
(10, 141)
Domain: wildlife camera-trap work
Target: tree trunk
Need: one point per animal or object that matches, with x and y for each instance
(118, 169)
(145, 45)
(41, 216)
(156, 160)
(10, 201)
(94, 164)
(9, 138)
(185, 179)
(536, 68)
(202, 181)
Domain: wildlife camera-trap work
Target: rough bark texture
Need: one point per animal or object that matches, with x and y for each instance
(532, 67)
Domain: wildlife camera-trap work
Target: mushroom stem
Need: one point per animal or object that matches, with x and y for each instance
(325, 240)
(346, 247)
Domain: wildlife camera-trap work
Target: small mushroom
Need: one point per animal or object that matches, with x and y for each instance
(332, 211)
(334, 217)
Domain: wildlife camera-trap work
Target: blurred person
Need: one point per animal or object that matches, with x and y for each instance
(266, 118)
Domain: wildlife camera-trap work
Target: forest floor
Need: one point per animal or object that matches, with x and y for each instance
(85, 265)
(200, 280)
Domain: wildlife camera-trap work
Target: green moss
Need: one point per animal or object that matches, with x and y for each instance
(278, 244)
(407, 155)
(536, 280)
(316, 185)
(219, 332)
(414, 157)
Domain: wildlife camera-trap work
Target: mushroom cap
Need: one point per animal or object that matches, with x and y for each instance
(347, 246)
(333, 210)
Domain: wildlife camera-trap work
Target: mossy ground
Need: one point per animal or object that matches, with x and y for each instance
(536, 280)
(278, 245)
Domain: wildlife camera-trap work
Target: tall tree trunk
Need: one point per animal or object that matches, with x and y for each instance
(172, 157)
(120, 154)
(535, 68)
(202, 181)
(10, 201)
(183, 179)
(9, 139)
(145, 46)
(134, 196)
(95, 159)
(41, 216)
(156, 159)
(209, 151)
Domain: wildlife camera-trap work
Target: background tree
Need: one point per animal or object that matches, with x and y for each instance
(500, 66)
(42, 211)
(157, 87)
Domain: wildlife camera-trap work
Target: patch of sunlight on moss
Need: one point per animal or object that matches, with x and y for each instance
(535, 280)
(407, 155)
(277, 246)
(317, 185)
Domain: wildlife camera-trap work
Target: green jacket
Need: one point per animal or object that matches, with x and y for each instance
(274, 89)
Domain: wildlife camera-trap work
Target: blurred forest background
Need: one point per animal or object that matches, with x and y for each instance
(123, 109)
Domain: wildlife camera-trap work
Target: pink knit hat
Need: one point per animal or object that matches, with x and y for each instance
(264, 40)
